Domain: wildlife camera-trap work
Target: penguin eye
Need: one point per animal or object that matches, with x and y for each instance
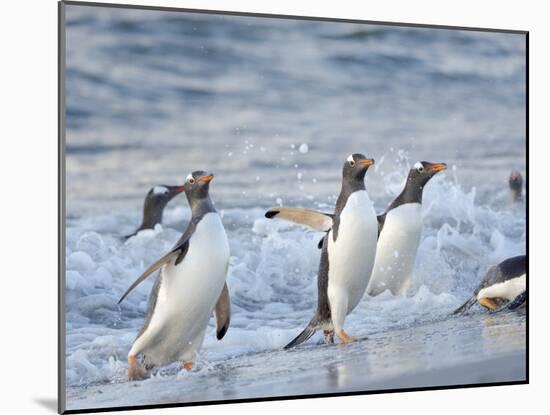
(420, 169)
(191, 181)
(352, 163)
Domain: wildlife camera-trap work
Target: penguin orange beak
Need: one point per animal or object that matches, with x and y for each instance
(438, 167)
(206, 179)
(367, 162)
(179, 189)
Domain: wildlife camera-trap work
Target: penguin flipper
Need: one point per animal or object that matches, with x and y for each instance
(518, 301)
(515, 303)
(179, 250)
(178, 253)
(318, 221)
(223, 313)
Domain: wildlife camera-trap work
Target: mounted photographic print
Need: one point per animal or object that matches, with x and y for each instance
(258, 207)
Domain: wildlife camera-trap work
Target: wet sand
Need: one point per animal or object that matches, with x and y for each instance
(457, 351)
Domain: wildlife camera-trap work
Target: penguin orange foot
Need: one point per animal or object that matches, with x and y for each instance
(344, 337)
(488, 303)
(135, 371)
(187, 365)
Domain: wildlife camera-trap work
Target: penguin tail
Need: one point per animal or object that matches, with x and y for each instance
(309, 331)
(466, 306)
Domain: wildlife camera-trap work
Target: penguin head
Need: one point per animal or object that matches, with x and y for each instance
(159, 196)
(423, 171)
(197, 185)
(515, 181)
(355, 167)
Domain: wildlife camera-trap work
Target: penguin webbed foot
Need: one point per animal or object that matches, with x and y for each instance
(187, 365)
(493, 304)
(345, 338)
(135, 370)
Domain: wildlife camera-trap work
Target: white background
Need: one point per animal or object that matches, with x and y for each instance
(28, 215)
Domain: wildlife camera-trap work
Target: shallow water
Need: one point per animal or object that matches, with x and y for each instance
(458, 351)
(273, 108)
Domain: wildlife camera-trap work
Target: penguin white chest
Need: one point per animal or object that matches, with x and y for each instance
(397, 248)
(508, 290)
(351, 256)
(187, 296)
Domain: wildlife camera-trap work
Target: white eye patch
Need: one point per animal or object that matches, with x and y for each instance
(189, 177)
(159, 190)
(418, 165)
(350, 158)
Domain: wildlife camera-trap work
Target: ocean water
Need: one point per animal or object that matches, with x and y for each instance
(273, 107)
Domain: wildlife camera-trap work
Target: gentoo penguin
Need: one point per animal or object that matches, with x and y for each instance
(504, 282)
(516, 186)
(347, 254)
(155, 201)
(191, 283)
(400, 227)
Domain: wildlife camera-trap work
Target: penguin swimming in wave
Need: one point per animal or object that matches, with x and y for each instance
(155, 201)
(503, 283)
(189, 286)
(347, 254)
(400, 227)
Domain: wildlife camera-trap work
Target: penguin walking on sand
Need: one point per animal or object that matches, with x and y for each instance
(189, 287)
(155, 201)
(400, 227)
(503, 283)
(347, 254)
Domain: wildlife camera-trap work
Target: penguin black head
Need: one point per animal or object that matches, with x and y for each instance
(355, 167)
(158, 196)
(422, 172)
(516, 185)
(156, 200)
(197, 185)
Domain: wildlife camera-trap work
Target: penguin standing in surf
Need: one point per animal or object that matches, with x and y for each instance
(190, 285)
(347, 254)
(400, 227)
(503, 283)
(155, 201)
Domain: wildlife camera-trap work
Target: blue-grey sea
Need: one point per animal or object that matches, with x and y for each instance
(273, 107)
